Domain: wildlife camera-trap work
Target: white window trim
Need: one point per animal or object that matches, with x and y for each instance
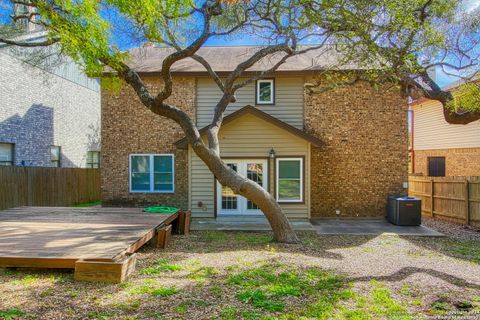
(277, 169)
(150, 159)
(272, 91)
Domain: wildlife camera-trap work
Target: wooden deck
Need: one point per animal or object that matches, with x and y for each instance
(57, 237)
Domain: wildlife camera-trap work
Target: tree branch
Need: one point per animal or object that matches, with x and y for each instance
(22, 43)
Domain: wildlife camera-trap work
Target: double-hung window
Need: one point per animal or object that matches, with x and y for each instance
(289, 178)
(152, 173)
(6, 154)
(265, 91)
(93, 159)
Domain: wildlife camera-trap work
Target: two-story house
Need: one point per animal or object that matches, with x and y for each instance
(49, 109)
(440, 148)
(341, 152)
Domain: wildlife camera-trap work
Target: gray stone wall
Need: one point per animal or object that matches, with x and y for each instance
(40, 108)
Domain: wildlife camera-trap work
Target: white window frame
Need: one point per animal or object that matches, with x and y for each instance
(272, 91)
(151, 161)
(277, 185)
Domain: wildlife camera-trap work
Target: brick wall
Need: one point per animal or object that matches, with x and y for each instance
(129, 127)
(41, 108)
(365, 156)
(458, 162)
(364, 159)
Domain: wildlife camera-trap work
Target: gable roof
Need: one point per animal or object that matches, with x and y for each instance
(225, 59)
(183, 143)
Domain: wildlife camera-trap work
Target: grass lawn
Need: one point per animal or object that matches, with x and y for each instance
(87, 204)
(240, 275)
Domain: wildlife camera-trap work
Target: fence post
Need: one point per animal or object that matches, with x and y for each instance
(432, 198)
(467, 201)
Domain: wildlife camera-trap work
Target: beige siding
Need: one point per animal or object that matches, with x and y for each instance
(288, 100)
(248, 136)
(431, 131)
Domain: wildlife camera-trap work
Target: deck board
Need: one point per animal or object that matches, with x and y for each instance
(70, 234)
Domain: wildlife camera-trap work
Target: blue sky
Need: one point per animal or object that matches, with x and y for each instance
(244, 39)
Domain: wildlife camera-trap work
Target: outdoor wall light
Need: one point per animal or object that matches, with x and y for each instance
(272, 154)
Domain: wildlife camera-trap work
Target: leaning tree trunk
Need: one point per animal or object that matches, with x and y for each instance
(282, 230)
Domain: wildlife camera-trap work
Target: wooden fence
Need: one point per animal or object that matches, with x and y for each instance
(455, 199)
(38, 186)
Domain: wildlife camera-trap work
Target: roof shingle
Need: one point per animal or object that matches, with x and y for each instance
(225, 59)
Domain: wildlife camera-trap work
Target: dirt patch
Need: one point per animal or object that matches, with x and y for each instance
(243, 275)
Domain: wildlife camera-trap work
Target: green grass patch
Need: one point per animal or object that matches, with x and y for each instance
(149, 287)
(87, 204)
(385, 305)
(160, 266)
(202, 274)
(378, 305)
(259, 299)
(130, 305)
(183, 307)
(229, 313)
(467, 249)
(270, 286)
(97, 315)
(216, 292)
(11, 314)
(164, 291)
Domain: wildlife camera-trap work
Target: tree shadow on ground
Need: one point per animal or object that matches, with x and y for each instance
(404, 273)
(202, 290)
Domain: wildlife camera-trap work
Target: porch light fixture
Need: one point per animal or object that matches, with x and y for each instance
(272, 154)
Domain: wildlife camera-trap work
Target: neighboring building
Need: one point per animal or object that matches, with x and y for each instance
(440, 148)
(49, 113)
(343, 151)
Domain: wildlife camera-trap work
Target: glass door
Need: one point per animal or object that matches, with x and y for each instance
(229, 200)
(230, 203)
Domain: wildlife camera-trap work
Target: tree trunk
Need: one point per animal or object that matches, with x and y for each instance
(282, 230)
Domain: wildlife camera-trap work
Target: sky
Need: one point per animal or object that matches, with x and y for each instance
(442, 78)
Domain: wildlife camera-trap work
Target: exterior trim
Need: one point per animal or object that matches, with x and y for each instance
(412, 135)
(215, 193)
(272, 81)
(275, 191)
(183, 143)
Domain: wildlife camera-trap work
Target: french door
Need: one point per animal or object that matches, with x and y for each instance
(230, 203)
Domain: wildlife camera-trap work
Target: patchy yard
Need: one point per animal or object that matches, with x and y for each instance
(236, 275)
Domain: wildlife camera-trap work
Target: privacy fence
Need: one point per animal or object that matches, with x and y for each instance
(37, 186)
(455, 199)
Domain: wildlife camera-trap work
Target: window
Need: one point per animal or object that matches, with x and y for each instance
(93, 159)
(265, 91)
(152, 173)
(436, 166)
(55, 156)
(6, 154)
(289, 180)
